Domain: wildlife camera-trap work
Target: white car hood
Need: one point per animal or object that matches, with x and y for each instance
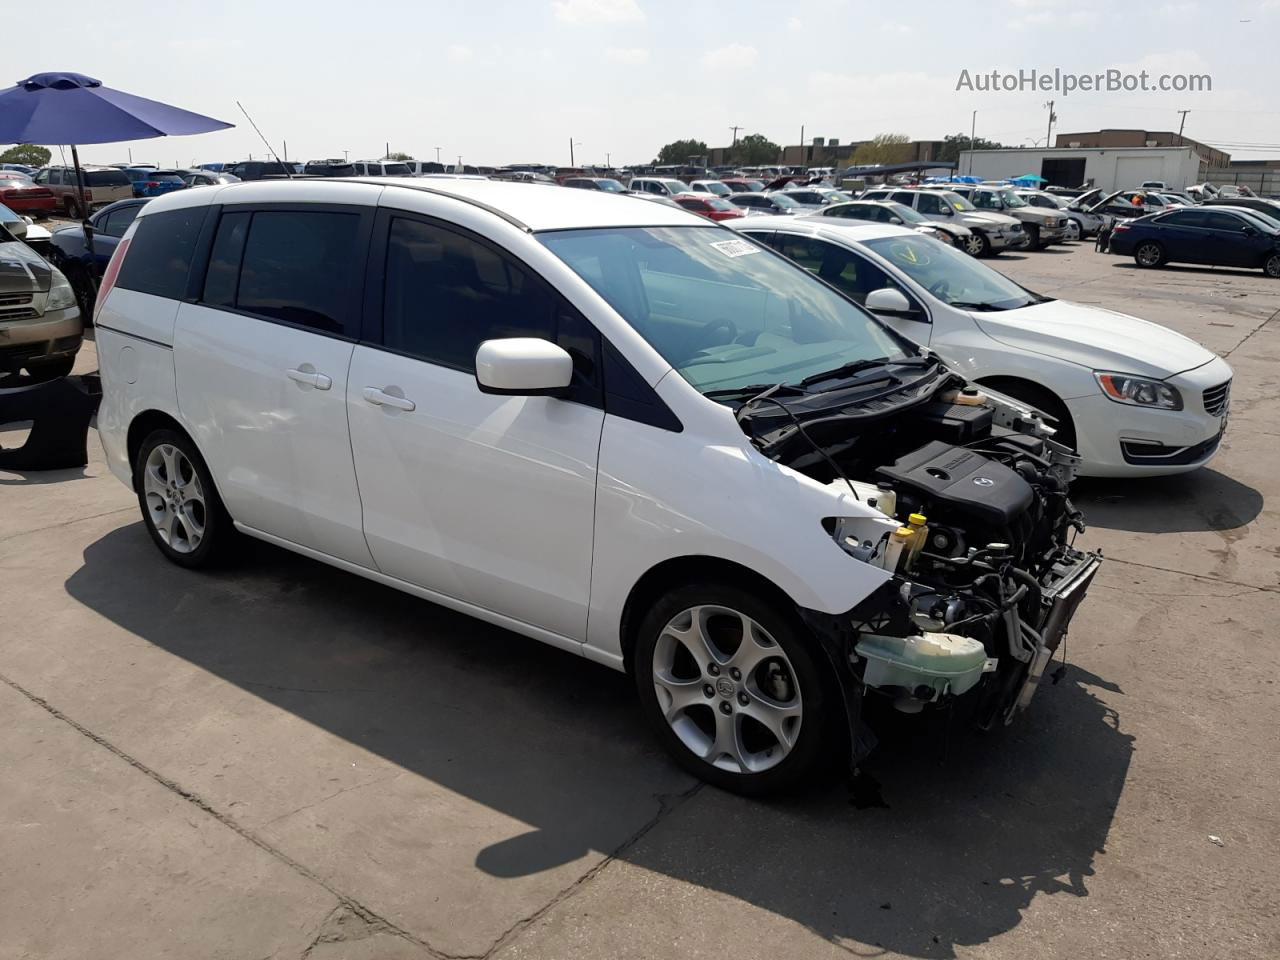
(973, 218)
(1095, 338)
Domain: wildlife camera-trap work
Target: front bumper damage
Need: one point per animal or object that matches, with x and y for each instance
(1004, 693)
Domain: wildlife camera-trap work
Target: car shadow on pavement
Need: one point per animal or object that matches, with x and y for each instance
(1203, 500)
(963, 831)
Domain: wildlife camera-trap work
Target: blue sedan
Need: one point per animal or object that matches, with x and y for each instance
(1218, 236)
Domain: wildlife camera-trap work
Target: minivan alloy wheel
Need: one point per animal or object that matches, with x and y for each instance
(727, 689)
(175, 498)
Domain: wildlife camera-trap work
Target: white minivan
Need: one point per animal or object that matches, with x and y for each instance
(611, 426)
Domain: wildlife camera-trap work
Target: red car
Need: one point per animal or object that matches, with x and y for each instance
(711, 207)
(22, 196)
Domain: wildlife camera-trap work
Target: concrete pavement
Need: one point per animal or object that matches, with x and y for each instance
(282, 760)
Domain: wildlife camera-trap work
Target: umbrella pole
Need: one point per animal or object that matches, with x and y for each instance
(84, 219)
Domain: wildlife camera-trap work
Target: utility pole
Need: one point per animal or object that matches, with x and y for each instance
(387, 154)
(973, 130)
(571, 151)
(1181, 125)
(437, 154)
(784, 149)
(735, 134)
(608, 164)
(286, 150)
(1048, 134)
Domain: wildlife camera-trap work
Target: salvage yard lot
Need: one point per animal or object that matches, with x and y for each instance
(283, 760)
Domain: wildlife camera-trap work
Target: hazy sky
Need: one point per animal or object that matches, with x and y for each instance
(501, 82)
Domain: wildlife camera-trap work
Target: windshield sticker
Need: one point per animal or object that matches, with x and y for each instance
(905, 252)
(735, 248)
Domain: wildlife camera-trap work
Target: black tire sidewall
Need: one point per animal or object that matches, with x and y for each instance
(1272, 261)
(1137, 254)
(817, 690)
(217, 526)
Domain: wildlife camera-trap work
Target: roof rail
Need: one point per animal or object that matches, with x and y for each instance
(488, 208)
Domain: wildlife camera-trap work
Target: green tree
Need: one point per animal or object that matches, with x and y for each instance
(883, 148)
(680, 151)
(402, 157)
(953, 144)
(27, 153)
(755, 149)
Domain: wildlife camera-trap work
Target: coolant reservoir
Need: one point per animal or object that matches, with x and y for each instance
(968, 397)
(943, 662)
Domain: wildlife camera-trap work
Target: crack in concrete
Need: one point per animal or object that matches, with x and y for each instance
(338, 793)
(344, 900)
(666, 806)
(1198, 576)
(1250, 334)
(64, 523)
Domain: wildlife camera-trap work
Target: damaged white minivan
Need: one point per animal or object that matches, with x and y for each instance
(602, 423)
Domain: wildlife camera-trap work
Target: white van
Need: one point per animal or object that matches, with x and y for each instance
(550, 409)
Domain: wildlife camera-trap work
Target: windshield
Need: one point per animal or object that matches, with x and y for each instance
(958, 202)
(839, 196)
(678, 186)
(907, 214)
(396, 170)
(951, 276)
(986, 200)
(611, 186)
(716, 187)
(785, 202)
(725, 312)
(715, 203)
(1011, 199)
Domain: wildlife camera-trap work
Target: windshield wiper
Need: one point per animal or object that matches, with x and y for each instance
(857, 366)
(969, 305)
(750, 390)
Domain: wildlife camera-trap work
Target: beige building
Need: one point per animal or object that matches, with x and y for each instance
(1143, 138)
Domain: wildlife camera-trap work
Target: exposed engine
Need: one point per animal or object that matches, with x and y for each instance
(976, 531)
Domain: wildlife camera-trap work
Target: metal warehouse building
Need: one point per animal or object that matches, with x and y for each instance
(1111, 168)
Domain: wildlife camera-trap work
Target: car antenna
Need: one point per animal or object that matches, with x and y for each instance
(283, 166)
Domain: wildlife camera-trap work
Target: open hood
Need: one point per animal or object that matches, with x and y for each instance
(1095, 338)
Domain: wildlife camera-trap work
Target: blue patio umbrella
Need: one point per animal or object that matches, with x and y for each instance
(74, 109)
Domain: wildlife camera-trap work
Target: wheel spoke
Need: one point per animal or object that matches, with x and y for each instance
(728, 742)
(164, 524)
(781, 720)
(676, 696)
(192, 528)
(170, 458)
(756, 646)
(694, 638)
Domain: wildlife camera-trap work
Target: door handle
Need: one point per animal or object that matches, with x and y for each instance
(317, 380)
(380, 399)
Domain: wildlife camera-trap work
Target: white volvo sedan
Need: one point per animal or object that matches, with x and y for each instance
(1132, 397)
(606, 424)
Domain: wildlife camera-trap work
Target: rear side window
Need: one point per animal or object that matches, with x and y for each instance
(159, 257)
(105, 178)
(296, 266)
(117, 221)
(446, 293)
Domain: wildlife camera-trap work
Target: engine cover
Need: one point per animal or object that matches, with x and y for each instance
(967, 482)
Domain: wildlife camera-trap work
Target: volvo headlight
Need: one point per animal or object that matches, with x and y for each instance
(1139, 391)
(61, 295)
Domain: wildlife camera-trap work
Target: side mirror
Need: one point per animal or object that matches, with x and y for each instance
(523, 367)
(18, 228)
(891, 302)
(947, 212)
(897, 220)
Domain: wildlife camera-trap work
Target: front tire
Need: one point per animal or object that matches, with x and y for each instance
(1033, 236)
(1073, 230)
(1271, 267)
(1149, 254)
(977, 244)
(731, 687)
(180, 505)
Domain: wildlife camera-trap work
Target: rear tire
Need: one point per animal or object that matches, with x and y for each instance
(72, 206)
(730, 685)
(180, 506)
(1271, 267)
(1149, 254)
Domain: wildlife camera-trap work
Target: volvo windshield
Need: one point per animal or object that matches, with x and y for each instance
(725, 312)
(951, 276)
